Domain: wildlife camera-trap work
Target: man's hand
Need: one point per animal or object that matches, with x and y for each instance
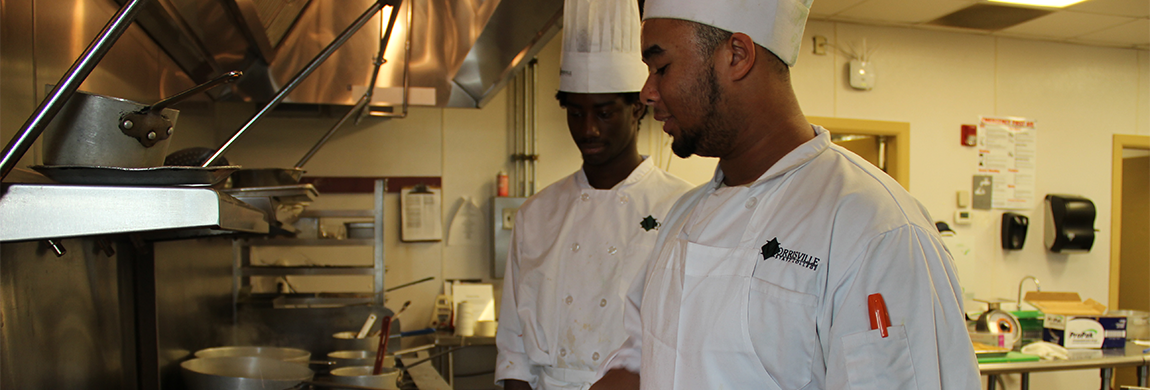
(618, 379)
(512, 384)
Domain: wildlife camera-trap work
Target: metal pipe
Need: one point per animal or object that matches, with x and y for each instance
(406, 66)
(526, 119)
(881, 152)
(532, 150)
(361, 105)
(299, 77)
(383, 46)
(68, 85)
(1037, 287)
(350, 113)
(517, 128)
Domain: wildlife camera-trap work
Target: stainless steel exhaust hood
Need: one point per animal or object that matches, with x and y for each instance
(448, 53)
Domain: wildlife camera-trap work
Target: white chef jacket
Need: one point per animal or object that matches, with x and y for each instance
(765, 286)
(573, 254)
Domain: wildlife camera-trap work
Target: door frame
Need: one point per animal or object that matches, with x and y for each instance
(1121, 141)
(897, 160)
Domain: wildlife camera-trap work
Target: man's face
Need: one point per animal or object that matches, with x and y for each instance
(602, 125)
(682, 89)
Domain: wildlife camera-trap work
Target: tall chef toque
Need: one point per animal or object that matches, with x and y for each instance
(601, 52)
(774, 24)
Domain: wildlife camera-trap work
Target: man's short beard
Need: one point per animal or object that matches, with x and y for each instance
(712, 136)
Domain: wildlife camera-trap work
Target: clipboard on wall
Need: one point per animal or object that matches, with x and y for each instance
(420, 211)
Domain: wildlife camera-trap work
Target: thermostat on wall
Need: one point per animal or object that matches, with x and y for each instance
(962, 217)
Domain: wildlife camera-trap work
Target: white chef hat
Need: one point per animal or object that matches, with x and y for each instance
(774, 24)
(601, 52)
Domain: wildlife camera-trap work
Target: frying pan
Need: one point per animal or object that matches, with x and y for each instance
(243, 373)
(292, 355)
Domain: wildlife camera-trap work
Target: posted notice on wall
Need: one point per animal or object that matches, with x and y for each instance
(420, 214)
(1006, 151)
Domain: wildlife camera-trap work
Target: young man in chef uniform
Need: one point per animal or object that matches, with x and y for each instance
(769, 276)
(579, 243)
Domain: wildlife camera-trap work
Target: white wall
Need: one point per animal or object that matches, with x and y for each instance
(935, 80)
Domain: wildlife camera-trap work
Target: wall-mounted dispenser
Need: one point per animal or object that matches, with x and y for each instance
(1014, 228)
(1069, 223)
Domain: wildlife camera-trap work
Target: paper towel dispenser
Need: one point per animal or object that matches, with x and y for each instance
(1069, 223)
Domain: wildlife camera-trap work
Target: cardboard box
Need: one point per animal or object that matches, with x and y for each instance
(1073, 323)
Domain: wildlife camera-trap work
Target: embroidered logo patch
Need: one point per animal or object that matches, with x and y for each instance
(773, 249)
(649, 223)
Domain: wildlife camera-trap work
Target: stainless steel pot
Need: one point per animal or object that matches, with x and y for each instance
(291, 355)
(361, 376)
(95, 130)
(344, 341)
(243, 373)
(88, 131)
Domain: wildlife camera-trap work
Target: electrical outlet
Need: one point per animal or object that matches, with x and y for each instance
(509, 218)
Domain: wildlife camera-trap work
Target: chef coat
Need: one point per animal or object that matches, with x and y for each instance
(573, 255)
(765, 286)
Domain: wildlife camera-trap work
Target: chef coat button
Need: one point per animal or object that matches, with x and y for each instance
(575, 247)
(624, 199)
(603, 302)
(562, 351)
(752, 202)
(612, 250)
(585, 197)
(595, 356)
(569, 299)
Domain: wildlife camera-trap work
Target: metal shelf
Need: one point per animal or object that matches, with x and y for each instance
(41, 211)
(310, 242)
(329, 270)
(337, 214)
(244, 269)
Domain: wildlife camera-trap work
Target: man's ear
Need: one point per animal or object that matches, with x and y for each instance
(743, 52)
(638, 109)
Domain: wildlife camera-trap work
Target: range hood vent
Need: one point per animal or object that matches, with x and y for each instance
(445, 53)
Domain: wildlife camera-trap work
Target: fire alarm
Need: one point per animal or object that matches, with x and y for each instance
(862, 74)
(969, 135)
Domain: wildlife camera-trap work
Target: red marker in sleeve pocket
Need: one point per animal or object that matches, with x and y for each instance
(879, 318)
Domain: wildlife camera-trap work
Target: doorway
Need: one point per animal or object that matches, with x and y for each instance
(1130, 225)
(885, 144)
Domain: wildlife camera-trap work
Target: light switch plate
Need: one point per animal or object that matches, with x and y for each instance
(962, 198)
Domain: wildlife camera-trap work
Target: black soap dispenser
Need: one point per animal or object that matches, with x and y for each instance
(1014, 228)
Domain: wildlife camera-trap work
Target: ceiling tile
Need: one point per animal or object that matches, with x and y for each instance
(831, 7)
(1133, 33)
(1088, 42)
(903, 11)
(952, 29)
(1066, 24)
(1026, 36)
(1132, 8)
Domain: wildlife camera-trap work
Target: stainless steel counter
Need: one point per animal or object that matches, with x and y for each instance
(43, 211)
(1103, 359)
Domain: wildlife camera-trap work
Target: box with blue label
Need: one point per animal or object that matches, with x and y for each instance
(1074, 323)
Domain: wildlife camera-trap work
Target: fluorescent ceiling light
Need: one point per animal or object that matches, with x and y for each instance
(1041, 3)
